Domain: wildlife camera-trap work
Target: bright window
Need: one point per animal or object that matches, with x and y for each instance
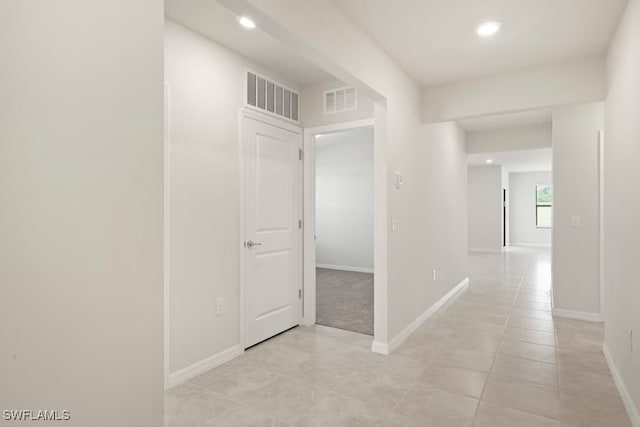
(544, 206)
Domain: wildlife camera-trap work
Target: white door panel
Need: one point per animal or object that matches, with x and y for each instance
(272, 210)
(273, 183)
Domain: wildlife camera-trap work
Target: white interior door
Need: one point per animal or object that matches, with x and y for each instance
(272, 235)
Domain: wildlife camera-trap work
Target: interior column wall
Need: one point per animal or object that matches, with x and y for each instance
(576, 220)
(81, 223)
(622, 204)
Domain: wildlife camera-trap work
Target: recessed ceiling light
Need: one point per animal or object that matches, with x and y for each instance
(247, 22)
(489, 28)
(489, 161)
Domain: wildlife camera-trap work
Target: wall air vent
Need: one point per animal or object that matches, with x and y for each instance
(340, 100)
(271, 97)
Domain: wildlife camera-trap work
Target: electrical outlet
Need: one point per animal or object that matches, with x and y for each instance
(630, 340)
(219, 306)
(434, 275)
(394, 224)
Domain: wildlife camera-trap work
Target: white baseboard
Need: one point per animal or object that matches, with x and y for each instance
(532, 245)
(484, 250)
(411, 328)
(629, 404)
(345, 268)
(185, 374)
(577, 315)
(380, 348)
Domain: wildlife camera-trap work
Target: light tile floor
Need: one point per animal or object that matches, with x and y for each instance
(493, 357)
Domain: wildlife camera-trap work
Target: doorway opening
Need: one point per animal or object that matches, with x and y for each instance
(510, 199)
(344, 228)
(505, 219)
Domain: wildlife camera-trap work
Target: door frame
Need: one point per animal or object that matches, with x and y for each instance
(246, 112)
(309, 214)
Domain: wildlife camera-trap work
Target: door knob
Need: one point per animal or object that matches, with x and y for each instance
(251, 244)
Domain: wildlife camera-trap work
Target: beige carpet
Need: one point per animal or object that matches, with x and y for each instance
(344, 300)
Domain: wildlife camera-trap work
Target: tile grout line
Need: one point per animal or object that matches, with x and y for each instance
(528, 382)
(278, 374)
(244, 405)
(484, 388)
(415, 381)
(555, 335)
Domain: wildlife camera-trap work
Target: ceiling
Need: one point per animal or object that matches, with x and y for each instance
(496, 121)
(515, 161)
(216, 22)
(435, 40)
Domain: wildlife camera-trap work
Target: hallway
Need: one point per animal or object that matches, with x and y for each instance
(492, 357)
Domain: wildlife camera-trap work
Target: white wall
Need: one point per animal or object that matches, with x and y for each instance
(344, 200)
(485, 207)
(206, 84)
(522, 208)
(575, 258)
(509, 138)
(431, 206)
(81, 183)
(622, 203)
(432, 228)
(546, 86)
(312, 106)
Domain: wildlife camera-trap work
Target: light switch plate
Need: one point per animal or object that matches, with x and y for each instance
(399, 180)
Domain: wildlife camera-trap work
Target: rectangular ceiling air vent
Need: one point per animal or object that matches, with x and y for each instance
(271, 97)
(340, 100)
